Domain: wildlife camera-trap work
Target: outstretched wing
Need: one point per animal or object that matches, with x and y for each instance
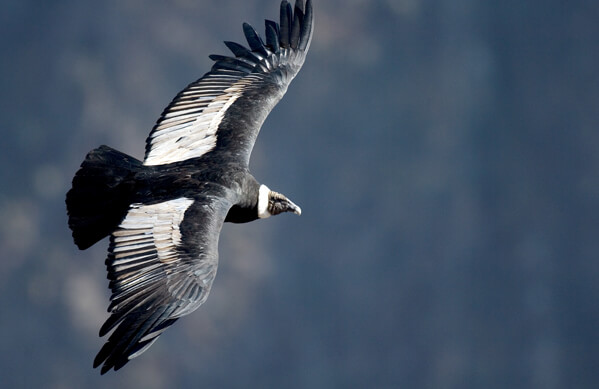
(161, 263)
(223, 111)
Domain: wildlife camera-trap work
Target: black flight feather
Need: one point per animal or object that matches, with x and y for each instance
(115, 353)
(286, 19)
(254, 40)
(232, 63)
(306, 32)
(297, 22)
(237, 49)
(242, 53)
(118, 315)
(272, 36)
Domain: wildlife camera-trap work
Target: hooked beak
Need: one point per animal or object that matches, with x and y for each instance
(279, 203)
(292, 207)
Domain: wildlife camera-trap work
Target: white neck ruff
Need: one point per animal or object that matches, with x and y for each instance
(263, 195)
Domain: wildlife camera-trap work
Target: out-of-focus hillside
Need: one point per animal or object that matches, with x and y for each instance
(445, 155)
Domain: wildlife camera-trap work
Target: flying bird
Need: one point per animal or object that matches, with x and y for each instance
(164, 215)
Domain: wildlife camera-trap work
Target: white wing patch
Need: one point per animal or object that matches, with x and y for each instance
(188, 129)
(147, 231)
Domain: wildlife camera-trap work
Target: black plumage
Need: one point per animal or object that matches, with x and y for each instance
(164, 215)
(272, 36)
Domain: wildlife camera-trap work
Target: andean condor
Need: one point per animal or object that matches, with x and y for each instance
(164, 215)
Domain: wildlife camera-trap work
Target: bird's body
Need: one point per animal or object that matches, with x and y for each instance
(164, 214)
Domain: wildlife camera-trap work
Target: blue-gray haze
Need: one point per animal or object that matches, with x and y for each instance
(445, 155)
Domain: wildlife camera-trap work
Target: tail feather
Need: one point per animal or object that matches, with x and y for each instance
(100, 195)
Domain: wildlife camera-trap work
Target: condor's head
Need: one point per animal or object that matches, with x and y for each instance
(273, 203)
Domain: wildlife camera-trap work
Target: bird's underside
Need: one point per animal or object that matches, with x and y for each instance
(164, 214)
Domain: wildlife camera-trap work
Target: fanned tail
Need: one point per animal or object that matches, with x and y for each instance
(100, 195)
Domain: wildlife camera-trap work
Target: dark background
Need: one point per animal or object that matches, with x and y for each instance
(445, 155)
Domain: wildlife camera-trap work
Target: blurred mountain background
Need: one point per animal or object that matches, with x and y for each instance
(445, 155)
